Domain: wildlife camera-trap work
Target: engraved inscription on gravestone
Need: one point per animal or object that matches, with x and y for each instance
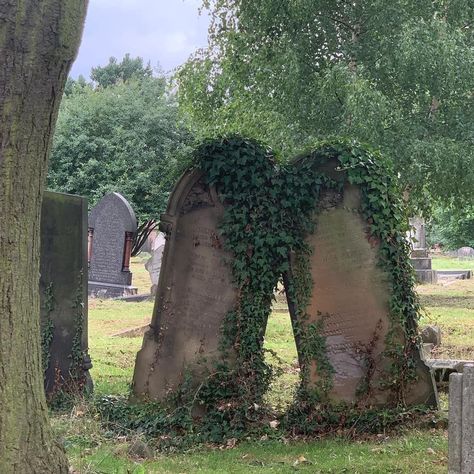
(112, 226)
(351, 295)
(195, 292)
(63, 286)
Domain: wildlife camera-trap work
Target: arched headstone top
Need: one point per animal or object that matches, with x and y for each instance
(191, 193)
(112, 227)
(119, 207)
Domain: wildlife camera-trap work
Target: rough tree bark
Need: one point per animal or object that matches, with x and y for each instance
(39, 40)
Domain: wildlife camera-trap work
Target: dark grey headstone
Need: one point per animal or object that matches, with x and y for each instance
(63, 290)
(112, 225)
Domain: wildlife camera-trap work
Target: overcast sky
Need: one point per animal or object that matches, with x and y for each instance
(160, 31)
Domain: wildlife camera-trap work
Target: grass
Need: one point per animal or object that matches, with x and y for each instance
(93, 450)
(141, 277)
(442, 262)
(420, 452)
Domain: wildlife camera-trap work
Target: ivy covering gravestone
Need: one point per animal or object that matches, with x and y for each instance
(270, 212)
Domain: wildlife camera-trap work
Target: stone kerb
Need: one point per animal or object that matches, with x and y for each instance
(112, 227)
(194, 294)
(461, 421)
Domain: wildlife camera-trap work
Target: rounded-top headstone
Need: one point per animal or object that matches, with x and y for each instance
(465, 252)
(112, 225)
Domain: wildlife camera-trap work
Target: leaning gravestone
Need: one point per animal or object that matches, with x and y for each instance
(63, 290)
(112, 228)
(195, 293)
(348, 307)
(153, 264)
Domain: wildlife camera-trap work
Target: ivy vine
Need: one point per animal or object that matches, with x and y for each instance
(269, 212)
(47, 327)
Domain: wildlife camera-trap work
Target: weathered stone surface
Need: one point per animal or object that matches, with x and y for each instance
(195, 292)
(153, 265)
(350, 298)
(455, 424)
(431, 335)
(418, 232)
(467, 449)
(465, 252)
(112, 225)
(63, 289)
(420, 257)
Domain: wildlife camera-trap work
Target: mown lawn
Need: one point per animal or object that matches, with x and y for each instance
(441, 262)
(93, 450)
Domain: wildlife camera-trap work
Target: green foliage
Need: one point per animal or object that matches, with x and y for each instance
(452, 227)
(395, 74)
(115, 72)
(76, 367)
(47, 327)
(268, 213)
(125, 137)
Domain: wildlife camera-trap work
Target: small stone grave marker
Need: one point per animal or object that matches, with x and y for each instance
(63, 292)
(195, 293)
(112, 227)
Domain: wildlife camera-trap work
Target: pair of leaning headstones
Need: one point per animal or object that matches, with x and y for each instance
(365, 330)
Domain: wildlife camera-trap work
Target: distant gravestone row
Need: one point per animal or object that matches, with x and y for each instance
(350, 297)
(112, 228)
(63, 292)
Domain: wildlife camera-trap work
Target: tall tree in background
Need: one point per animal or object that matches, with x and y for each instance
(38, 43)
(397, 74)
(121, 133)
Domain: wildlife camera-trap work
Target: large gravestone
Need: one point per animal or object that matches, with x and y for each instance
(63, 290)
(153, 264)
(349, 301)
(195, 292)
(112, 227)
(420, 257)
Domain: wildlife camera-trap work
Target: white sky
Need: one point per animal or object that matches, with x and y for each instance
(160, 31)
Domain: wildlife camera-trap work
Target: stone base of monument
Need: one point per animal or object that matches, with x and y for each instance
(461, 422)
(109, 290)
(421, 262)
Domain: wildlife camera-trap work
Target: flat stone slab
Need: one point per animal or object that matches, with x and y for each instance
(98, 289)
(133, 332)
(454, 274)
(442, 368)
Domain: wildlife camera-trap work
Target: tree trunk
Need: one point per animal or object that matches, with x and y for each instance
(38, 43)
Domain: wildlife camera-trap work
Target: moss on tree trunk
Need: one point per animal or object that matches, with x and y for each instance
(38, 42)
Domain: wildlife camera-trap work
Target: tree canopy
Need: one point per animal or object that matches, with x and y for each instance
(122, 134)
(396, 74)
